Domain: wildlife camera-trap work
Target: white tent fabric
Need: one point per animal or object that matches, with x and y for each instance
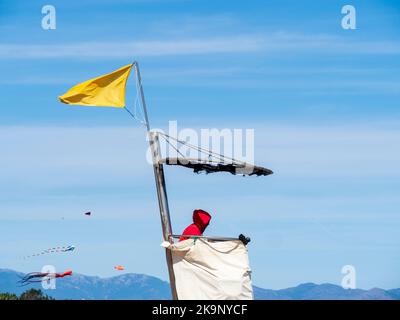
(206, 270)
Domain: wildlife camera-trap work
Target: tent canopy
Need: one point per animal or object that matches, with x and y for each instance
(210, 166)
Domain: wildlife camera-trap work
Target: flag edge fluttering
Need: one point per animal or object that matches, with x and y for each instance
(126, 74)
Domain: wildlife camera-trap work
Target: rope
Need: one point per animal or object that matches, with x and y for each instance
(215, 249)
(204, 151)
(208, 152)
(137, 106)
(130, 113)
(167, 140)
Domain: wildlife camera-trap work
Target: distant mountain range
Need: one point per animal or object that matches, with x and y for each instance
(326, 291)
(140, 286)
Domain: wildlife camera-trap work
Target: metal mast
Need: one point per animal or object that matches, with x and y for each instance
(160, 185)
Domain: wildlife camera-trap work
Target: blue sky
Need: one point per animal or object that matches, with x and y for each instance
(323, 102)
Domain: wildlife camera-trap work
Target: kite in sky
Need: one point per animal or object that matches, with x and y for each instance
(88, 213)
(119, 268)
(52, 250)
(34, 277)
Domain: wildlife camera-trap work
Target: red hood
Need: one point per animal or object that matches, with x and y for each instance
(201, 218)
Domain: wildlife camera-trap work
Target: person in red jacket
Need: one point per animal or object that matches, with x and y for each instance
(201, 220)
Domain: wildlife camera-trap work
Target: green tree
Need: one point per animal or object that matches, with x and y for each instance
(34, 294)
(8, 296)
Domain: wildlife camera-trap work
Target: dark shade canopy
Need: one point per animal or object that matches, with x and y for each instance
(210, 166)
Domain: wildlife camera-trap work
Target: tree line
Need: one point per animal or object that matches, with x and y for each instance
(31, 294)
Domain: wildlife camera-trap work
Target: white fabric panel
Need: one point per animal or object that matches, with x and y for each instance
(206, 270)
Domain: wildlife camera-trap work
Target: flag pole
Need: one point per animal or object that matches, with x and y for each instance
(160, 185)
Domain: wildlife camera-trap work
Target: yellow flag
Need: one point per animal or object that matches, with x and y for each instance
(103, 91)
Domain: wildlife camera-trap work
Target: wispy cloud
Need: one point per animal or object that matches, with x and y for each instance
(130, 49)
(340, 151)
(48, 157)
(61, 156)
(273, 43)
(351, 80)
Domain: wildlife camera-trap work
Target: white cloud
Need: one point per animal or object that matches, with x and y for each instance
(130, 49)
(274, 42)
(61, 156)
(119, 152)
(49, 166)
(284, 79)
(336, 151)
